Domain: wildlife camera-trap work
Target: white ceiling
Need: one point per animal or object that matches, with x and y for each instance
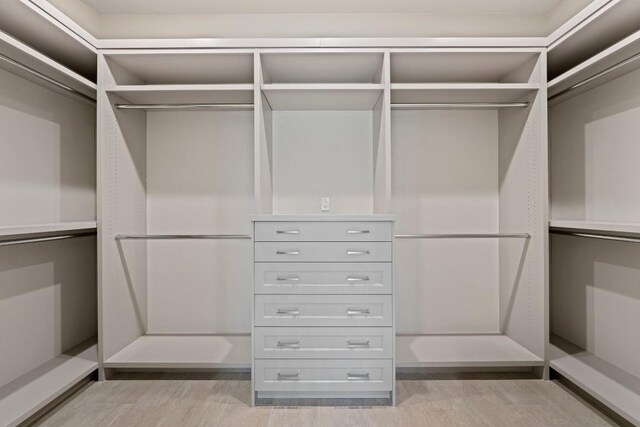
(186, 7)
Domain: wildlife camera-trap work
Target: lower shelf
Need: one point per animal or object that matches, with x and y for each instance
(31, 392)
(462, 351)
(185, 351)
(607, 383)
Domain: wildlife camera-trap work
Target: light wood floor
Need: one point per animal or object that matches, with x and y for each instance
(223, 400)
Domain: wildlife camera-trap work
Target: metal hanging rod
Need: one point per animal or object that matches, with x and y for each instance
(460, 105)
(26, 240)
(181, 236)
(465, 236)
(44, 77)
(598, 236)
(597, 75)
(188, 106)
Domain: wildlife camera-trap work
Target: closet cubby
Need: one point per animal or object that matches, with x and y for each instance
(595, 223)
(48, 308)
(178, 190)
(324, 131)
(468, 160)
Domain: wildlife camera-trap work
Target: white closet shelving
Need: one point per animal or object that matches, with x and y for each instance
(320, 124)
(31, 392)
(606, 382)
(48, 310)
(470, 205)
(46, 230)
(177, 153)
(594, 115)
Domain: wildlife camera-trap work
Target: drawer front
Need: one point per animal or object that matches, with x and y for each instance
(318, 343)
(323, 310)
(320, 278)
(323, 252)
(329, 231)
(323, 375)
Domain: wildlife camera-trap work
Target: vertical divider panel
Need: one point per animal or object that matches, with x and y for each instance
(523, 203)
(122, 277)
(382, 143)
(263, 143)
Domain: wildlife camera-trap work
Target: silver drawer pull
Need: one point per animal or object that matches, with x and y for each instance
(288, 278)
(293, 376)
(358, 231)
(351, 311)
(287, 231)
(352, 343)
(353, 376)
(357, 278)
(358, 252)
(289, 311)
(288, 252)
(289, 344)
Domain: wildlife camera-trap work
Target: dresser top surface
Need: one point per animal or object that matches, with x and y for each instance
(321, 217)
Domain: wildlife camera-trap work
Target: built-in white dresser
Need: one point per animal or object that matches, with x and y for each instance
(323, 323)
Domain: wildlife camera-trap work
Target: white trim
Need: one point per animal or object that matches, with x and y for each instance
(257, 43)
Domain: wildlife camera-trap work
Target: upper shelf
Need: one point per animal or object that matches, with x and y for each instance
(606, 66)
(142, 67)
(463, 66)
(322, 66)
(21, 58)
(291, 97)
(606, 27)
(410, 93)
(35, 27)
(178, 94)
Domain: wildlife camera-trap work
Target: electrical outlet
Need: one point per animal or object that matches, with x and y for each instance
(324, 204)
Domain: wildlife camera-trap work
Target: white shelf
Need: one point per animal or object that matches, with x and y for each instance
(177, 94)
(322, 66)
(35, 60)
(608, 228)
(462, 351)
(31, 392)
(408, 93)
(185, 351)
(609, 384)
(293, 97)
(45, 230)
(600, 31)
(596, 64)
(63, 42)
(458, 66)
(189, 66)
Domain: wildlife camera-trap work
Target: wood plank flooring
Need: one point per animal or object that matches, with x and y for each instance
(222, 399)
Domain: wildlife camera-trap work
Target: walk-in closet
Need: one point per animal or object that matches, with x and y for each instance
(319, 213)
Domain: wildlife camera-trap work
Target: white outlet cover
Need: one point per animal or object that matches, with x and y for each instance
(324, 204)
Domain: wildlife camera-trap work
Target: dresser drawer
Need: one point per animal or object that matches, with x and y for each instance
(323, 278)
(330, 231)
(323, 310)
(323, 251)
(318, 343)
(323, 375)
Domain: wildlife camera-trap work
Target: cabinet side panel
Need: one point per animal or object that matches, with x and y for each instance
(522, 210)
(123, 283)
